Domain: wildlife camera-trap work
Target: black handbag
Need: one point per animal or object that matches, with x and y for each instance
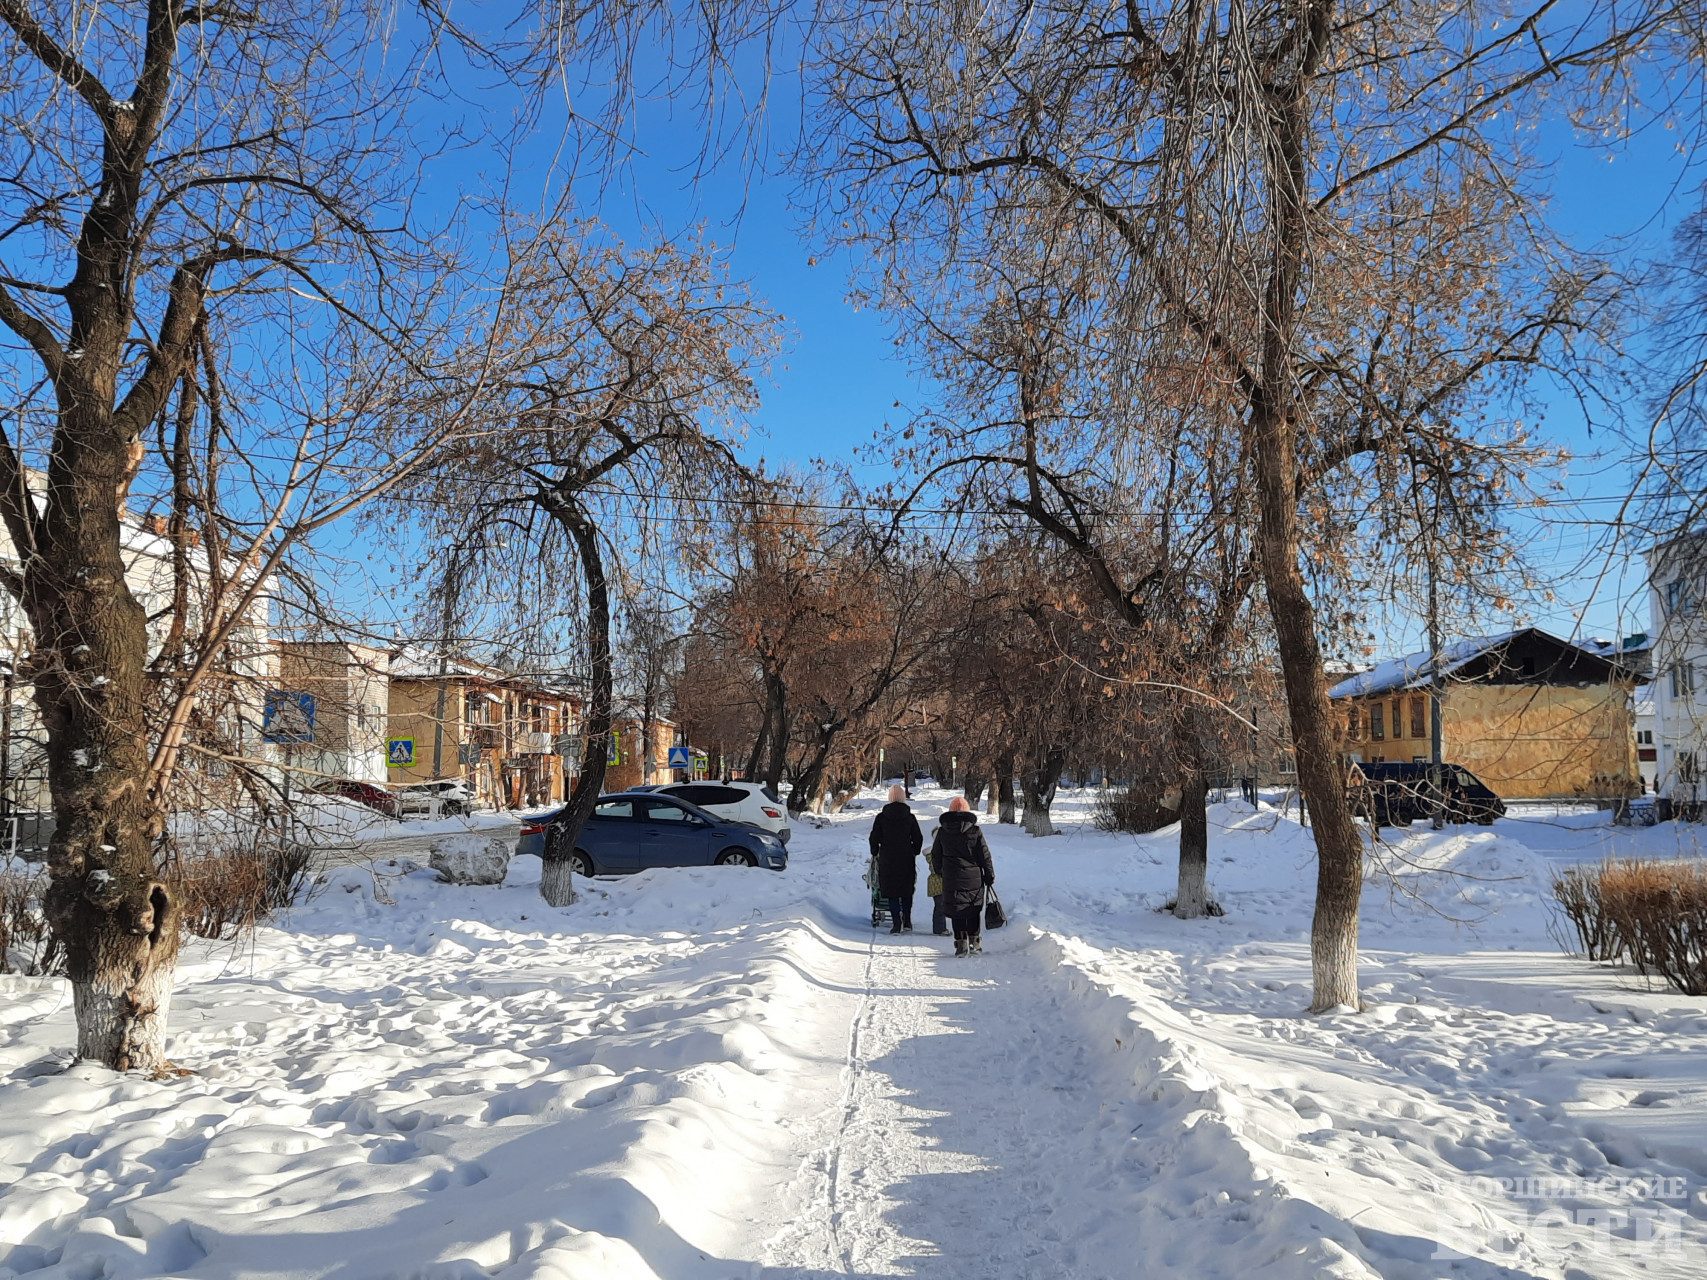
(994, 916)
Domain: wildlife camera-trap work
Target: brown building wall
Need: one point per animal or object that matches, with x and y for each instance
(516, 735)
(1526, 741)
(413, 708)
(630, 772)
(1543, 742)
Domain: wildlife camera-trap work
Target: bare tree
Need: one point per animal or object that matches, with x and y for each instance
(173, 173)
(606, 422)
(1276, 202)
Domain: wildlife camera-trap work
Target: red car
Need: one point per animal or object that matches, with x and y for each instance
(374, 797)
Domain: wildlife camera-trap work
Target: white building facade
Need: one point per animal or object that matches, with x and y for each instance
(1676, 573)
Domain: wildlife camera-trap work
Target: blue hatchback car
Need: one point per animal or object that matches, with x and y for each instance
(634, 830)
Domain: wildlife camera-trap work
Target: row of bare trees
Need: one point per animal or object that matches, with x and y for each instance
(1235, 304)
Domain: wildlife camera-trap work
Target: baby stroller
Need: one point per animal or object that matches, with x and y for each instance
(879, 904)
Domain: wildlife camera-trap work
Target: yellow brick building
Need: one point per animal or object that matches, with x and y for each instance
(1533, 716)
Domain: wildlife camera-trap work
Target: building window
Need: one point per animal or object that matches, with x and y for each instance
(1353, 725)
(1419, 719)
(1644, 737)
(1682, 679)
(1677, 596)
(1377, 721)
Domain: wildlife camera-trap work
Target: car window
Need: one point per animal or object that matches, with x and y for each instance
(664, 811)
(615, 809)
(694, 794)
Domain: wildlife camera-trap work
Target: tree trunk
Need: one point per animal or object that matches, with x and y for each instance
(1005, 788)
(1192, 898)
(810, 784)
(1274, 437)
(776, 713)
(772, 727)
(974, 791)
(1038, 788)
(756, 760)
(557, 880)
(114, 918)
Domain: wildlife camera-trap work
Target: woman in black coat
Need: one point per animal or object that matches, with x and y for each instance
(960, 855)
(895, 842)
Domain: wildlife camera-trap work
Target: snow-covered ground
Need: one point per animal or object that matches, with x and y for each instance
(698, 1075)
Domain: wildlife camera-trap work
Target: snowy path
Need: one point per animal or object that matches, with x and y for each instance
(718, 1074)
(973, 1137)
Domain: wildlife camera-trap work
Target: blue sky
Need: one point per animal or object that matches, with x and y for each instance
(841, 381)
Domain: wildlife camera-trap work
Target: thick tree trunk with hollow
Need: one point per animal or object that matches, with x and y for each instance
(114, 918)
(809, 786)
(776, 722)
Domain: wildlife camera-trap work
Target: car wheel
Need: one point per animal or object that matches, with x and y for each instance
(736, 858)
(580, 864)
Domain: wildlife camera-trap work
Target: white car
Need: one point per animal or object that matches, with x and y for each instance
(444, 798)
(749, 802)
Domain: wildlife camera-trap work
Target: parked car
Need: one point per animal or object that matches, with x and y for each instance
(372, 795)
(752, 802)
(533, 832)
(637, 830)
(441, 798)
(1396, 793)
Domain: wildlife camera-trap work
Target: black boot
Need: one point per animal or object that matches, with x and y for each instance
(896, 927)
(960, 946)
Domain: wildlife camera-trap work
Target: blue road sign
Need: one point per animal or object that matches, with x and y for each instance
(287, 717)
(400, 752)
(679, 758)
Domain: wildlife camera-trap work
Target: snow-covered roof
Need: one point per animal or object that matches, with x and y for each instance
(413, 662)
(1418, 670)
(1629, 647)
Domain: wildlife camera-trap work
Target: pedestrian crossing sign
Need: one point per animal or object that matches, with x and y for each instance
(400, 753)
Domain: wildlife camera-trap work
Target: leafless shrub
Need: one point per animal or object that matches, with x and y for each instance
(26, 944)
(1138, 810)
(1577, 891)
(226, 895)
(1653, 913)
